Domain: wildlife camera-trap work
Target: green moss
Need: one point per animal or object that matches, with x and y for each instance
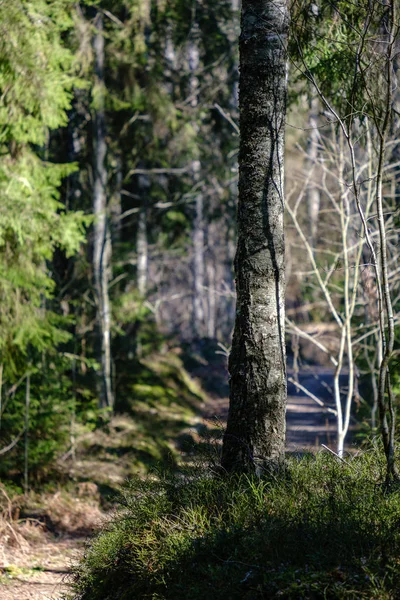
(160, 378)
(159, 403)
(153, 395)
(14, 572)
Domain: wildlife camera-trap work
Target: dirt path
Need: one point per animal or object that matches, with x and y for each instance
(38, 570)
(308, 425)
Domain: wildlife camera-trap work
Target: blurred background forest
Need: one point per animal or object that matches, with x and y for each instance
(118, 177)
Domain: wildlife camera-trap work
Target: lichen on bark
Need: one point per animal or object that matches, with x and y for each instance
(255, 435)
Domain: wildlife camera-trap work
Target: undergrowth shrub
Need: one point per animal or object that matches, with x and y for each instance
(320, 529)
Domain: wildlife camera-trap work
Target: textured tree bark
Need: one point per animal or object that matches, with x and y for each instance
(102, 239)
(255, 437)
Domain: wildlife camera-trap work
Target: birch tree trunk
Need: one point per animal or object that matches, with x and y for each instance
(102, 239)
(211, 282)
(198, 266)
(255, 435)
(313, 193)
(142, 251)
(116, 204)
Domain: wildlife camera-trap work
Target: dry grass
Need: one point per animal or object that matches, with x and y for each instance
(75, 516)
(36, 551)
(26, 519)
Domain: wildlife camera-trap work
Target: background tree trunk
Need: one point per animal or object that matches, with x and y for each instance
(198, 269)
(313, 193)
(116, 203)
(198, 222)
(255, 435)
(102, 239)
(211, 282)
(142, 251)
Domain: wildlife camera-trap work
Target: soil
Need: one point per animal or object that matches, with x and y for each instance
(38, 570)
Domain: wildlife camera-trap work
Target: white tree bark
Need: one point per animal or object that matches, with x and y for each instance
(313, 193)
(142, 252)
(198, 222)
(102, 239)
(211, 285)
(255, 435)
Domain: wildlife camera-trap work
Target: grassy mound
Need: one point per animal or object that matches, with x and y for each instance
(321, 529)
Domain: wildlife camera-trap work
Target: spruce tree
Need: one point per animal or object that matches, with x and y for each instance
(36, 78)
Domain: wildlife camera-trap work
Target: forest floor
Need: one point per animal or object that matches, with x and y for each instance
(41, 536)
(36, 566)
(39, 571)
(308, 424)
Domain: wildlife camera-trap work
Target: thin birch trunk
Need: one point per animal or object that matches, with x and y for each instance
(386, 406)
(116, 204)
(26, 434)
(211, 299)
(198, 268)
(102, 239)
(313, 193)
(142, 251)
(72, 431)
(255, 435)
(198, 264)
